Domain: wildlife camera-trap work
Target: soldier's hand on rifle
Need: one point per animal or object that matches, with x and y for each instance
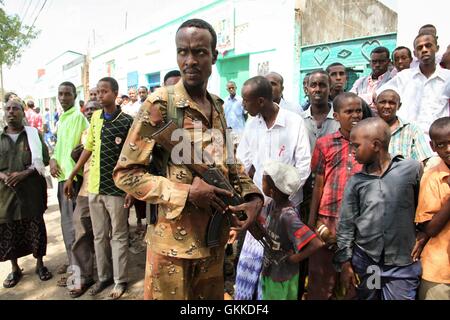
(251, 209)
(204, 195)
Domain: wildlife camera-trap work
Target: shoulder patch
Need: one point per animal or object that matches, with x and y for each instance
(159, 95)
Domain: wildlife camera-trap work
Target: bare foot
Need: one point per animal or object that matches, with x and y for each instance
(118, 291)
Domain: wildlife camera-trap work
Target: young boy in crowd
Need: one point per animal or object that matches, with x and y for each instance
(293, 240)
(333, 164)
(376, 231)
(407, 139)
(402, 58)
(433, 209)
(107, 133)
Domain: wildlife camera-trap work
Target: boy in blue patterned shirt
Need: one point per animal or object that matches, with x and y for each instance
(292, 239)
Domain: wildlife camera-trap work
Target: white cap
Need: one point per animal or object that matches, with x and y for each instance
(285, 177)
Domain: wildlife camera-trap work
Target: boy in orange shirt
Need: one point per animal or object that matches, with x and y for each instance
(433, 209)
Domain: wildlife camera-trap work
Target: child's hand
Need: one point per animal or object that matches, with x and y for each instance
(348, 277)
(232, 236)
(421, 240)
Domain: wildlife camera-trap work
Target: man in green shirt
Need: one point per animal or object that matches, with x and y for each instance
(71, 125)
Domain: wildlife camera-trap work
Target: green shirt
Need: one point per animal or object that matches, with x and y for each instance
(71, 125)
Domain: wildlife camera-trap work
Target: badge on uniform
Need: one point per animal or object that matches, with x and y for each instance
(118, 140)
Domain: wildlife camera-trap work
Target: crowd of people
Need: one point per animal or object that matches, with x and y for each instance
(352, 189)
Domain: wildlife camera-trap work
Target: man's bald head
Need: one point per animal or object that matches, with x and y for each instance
(275, 75)
(389, 91)
(373, 129)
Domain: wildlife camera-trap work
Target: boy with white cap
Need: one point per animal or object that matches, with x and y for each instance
(290, 236)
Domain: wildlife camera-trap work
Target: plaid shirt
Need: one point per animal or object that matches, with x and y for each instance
(333, 159)
(409, 141)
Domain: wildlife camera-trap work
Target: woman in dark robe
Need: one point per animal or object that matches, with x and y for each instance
(23, 194)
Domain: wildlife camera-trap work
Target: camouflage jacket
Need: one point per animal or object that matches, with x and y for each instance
(180, 230)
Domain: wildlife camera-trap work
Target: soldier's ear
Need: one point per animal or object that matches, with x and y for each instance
(215, 55)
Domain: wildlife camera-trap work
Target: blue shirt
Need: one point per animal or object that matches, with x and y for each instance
(234, 113)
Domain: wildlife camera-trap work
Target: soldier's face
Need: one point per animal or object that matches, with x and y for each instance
(195, 56)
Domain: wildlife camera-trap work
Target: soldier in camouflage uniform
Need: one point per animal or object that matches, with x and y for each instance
(179, 264)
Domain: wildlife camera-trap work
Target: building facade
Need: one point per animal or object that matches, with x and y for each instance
(254, 37)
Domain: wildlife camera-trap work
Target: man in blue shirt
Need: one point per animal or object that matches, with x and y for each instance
(234, 111)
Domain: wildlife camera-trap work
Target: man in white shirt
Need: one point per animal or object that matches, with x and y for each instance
(143, 94)
(424, 89)
(276, 80)
(132, 108)
(428, 28)
(273, 134)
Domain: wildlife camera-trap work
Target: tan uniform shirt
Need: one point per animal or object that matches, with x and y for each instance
(181, 227)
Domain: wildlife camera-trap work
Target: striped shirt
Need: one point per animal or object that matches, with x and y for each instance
(366, 87)
(409, 141)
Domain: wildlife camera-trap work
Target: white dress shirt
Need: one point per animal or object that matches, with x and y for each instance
(424, 100)
(290, 106)
(286, 141)
(415, 63)
(131, 108)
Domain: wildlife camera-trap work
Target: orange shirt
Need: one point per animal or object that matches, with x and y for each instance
(434, 192)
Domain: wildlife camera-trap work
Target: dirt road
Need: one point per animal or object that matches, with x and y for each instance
(31, 288)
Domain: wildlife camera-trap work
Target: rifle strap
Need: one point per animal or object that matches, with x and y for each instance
(176, 115)
(173, 113)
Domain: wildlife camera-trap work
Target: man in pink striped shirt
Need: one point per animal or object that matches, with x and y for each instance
(34, 119)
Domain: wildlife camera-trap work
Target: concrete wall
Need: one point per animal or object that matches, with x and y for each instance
(329, 21)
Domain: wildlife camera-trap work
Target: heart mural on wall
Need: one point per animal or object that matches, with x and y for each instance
(321, 54)
(368, 46)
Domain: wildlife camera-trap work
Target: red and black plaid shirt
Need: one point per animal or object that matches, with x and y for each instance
(333, 158)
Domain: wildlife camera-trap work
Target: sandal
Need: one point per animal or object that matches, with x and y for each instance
(44, 274)
(12, 279)
(118, 291)
(62, 282)
(62, 269)
(75, 293)
(100, 286)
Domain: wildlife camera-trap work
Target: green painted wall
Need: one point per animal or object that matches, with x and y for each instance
(235, 69)
(354, 54)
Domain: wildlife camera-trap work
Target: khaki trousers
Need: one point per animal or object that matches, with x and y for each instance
(109, 223)
(434, 291)
(168, 278)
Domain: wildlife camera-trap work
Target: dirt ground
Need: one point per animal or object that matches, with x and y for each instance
(31, 288)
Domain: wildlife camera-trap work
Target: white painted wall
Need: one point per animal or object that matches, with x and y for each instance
(412, 14)
(260, 28)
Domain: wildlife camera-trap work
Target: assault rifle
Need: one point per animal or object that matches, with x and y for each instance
(213, 176)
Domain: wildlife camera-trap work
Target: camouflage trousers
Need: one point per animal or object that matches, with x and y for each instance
(169, 278)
